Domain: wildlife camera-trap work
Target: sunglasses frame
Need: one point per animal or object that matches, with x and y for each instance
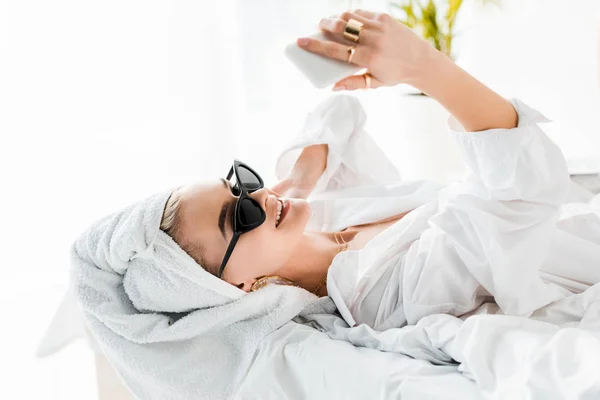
(238, 228)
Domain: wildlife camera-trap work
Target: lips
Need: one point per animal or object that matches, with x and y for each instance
(284, 211)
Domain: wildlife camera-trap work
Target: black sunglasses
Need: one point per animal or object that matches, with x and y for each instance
(248, 213)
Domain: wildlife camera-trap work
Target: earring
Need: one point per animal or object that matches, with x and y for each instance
(270, 279)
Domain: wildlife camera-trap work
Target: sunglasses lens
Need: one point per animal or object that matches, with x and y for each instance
(248, 178)
(250, 213)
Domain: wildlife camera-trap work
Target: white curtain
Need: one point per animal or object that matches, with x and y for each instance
(108, 102)
(105, 102)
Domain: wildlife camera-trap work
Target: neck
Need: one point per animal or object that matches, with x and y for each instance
(310, 260)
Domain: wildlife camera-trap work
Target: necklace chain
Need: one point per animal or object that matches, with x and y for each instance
(343, 246)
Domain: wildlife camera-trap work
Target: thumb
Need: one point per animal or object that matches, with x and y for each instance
(354, 82)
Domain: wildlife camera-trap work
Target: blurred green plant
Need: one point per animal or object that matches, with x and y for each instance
(434, 21)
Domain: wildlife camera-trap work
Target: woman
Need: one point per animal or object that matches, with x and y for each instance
(405, 250)
(393, 253)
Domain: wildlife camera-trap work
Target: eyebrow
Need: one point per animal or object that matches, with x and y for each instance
(224, 211)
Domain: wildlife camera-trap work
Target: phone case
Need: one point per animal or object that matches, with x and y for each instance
(321, 71)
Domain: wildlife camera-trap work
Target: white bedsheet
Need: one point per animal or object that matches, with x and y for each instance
(299, 362)
(554, 354)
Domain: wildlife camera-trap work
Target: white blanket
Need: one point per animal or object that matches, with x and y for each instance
(554, 354)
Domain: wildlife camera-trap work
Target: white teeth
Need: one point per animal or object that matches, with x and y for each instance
(279, 209)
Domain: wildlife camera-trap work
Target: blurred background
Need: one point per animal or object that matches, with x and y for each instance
(104, 103)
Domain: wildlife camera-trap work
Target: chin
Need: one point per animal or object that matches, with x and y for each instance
(298, 216)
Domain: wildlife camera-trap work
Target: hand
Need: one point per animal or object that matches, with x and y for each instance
(391, 52)
(305, 173)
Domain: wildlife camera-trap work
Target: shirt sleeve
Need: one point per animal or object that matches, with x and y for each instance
(513, 164)
(492, 231)
(353, 157)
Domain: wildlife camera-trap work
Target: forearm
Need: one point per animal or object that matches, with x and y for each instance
(305, 173)
(473, 104)
(310, 165)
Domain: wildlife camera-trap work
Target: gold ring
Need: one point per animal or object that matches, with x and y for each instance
(352, 30)
(367, 80)
(351, 50)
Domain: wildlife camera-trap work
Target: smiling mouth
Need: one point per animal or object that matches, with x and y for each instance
(282, 210)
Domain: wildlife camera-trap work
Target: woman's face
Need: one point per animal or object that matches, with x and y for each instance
(262, 251)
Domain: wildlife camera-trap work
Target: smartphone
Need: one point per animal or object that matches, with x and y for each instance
(321, 71)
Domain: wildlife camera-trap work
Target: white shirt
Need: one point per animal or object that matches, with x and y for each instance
(503, 234)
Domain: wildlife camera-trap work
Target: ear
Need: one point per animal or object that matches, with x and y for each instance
(246, 286)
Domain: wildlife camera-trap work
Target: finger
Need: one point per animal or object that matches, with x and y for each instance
(355, 82)
(347, 16)
(366, 14)
(336, 26)
(333, 50)
(373, 16)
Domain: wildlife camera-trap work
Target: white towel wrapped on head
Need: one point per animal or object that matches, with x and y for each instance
(171, 329)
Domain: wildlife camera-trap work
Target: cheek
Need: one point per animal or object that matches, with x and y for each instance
(269, 245)
(266, 248)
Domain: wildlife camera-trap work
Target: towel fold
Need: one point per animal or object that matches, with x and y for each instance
(169, 328)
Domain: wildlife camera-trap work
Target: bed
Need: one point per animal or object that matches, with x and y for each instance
(554, 354)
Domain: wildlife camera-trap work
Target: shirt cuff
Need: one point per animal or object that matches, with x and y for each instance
(513, 164)
(333, 122)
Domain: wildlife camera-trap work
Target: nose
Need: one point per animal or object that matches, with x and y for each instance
(261, 196)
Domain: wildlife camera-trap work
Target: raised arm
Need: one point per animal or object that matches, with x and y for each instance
(332, 151)
(393, 54)
(305, 173)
